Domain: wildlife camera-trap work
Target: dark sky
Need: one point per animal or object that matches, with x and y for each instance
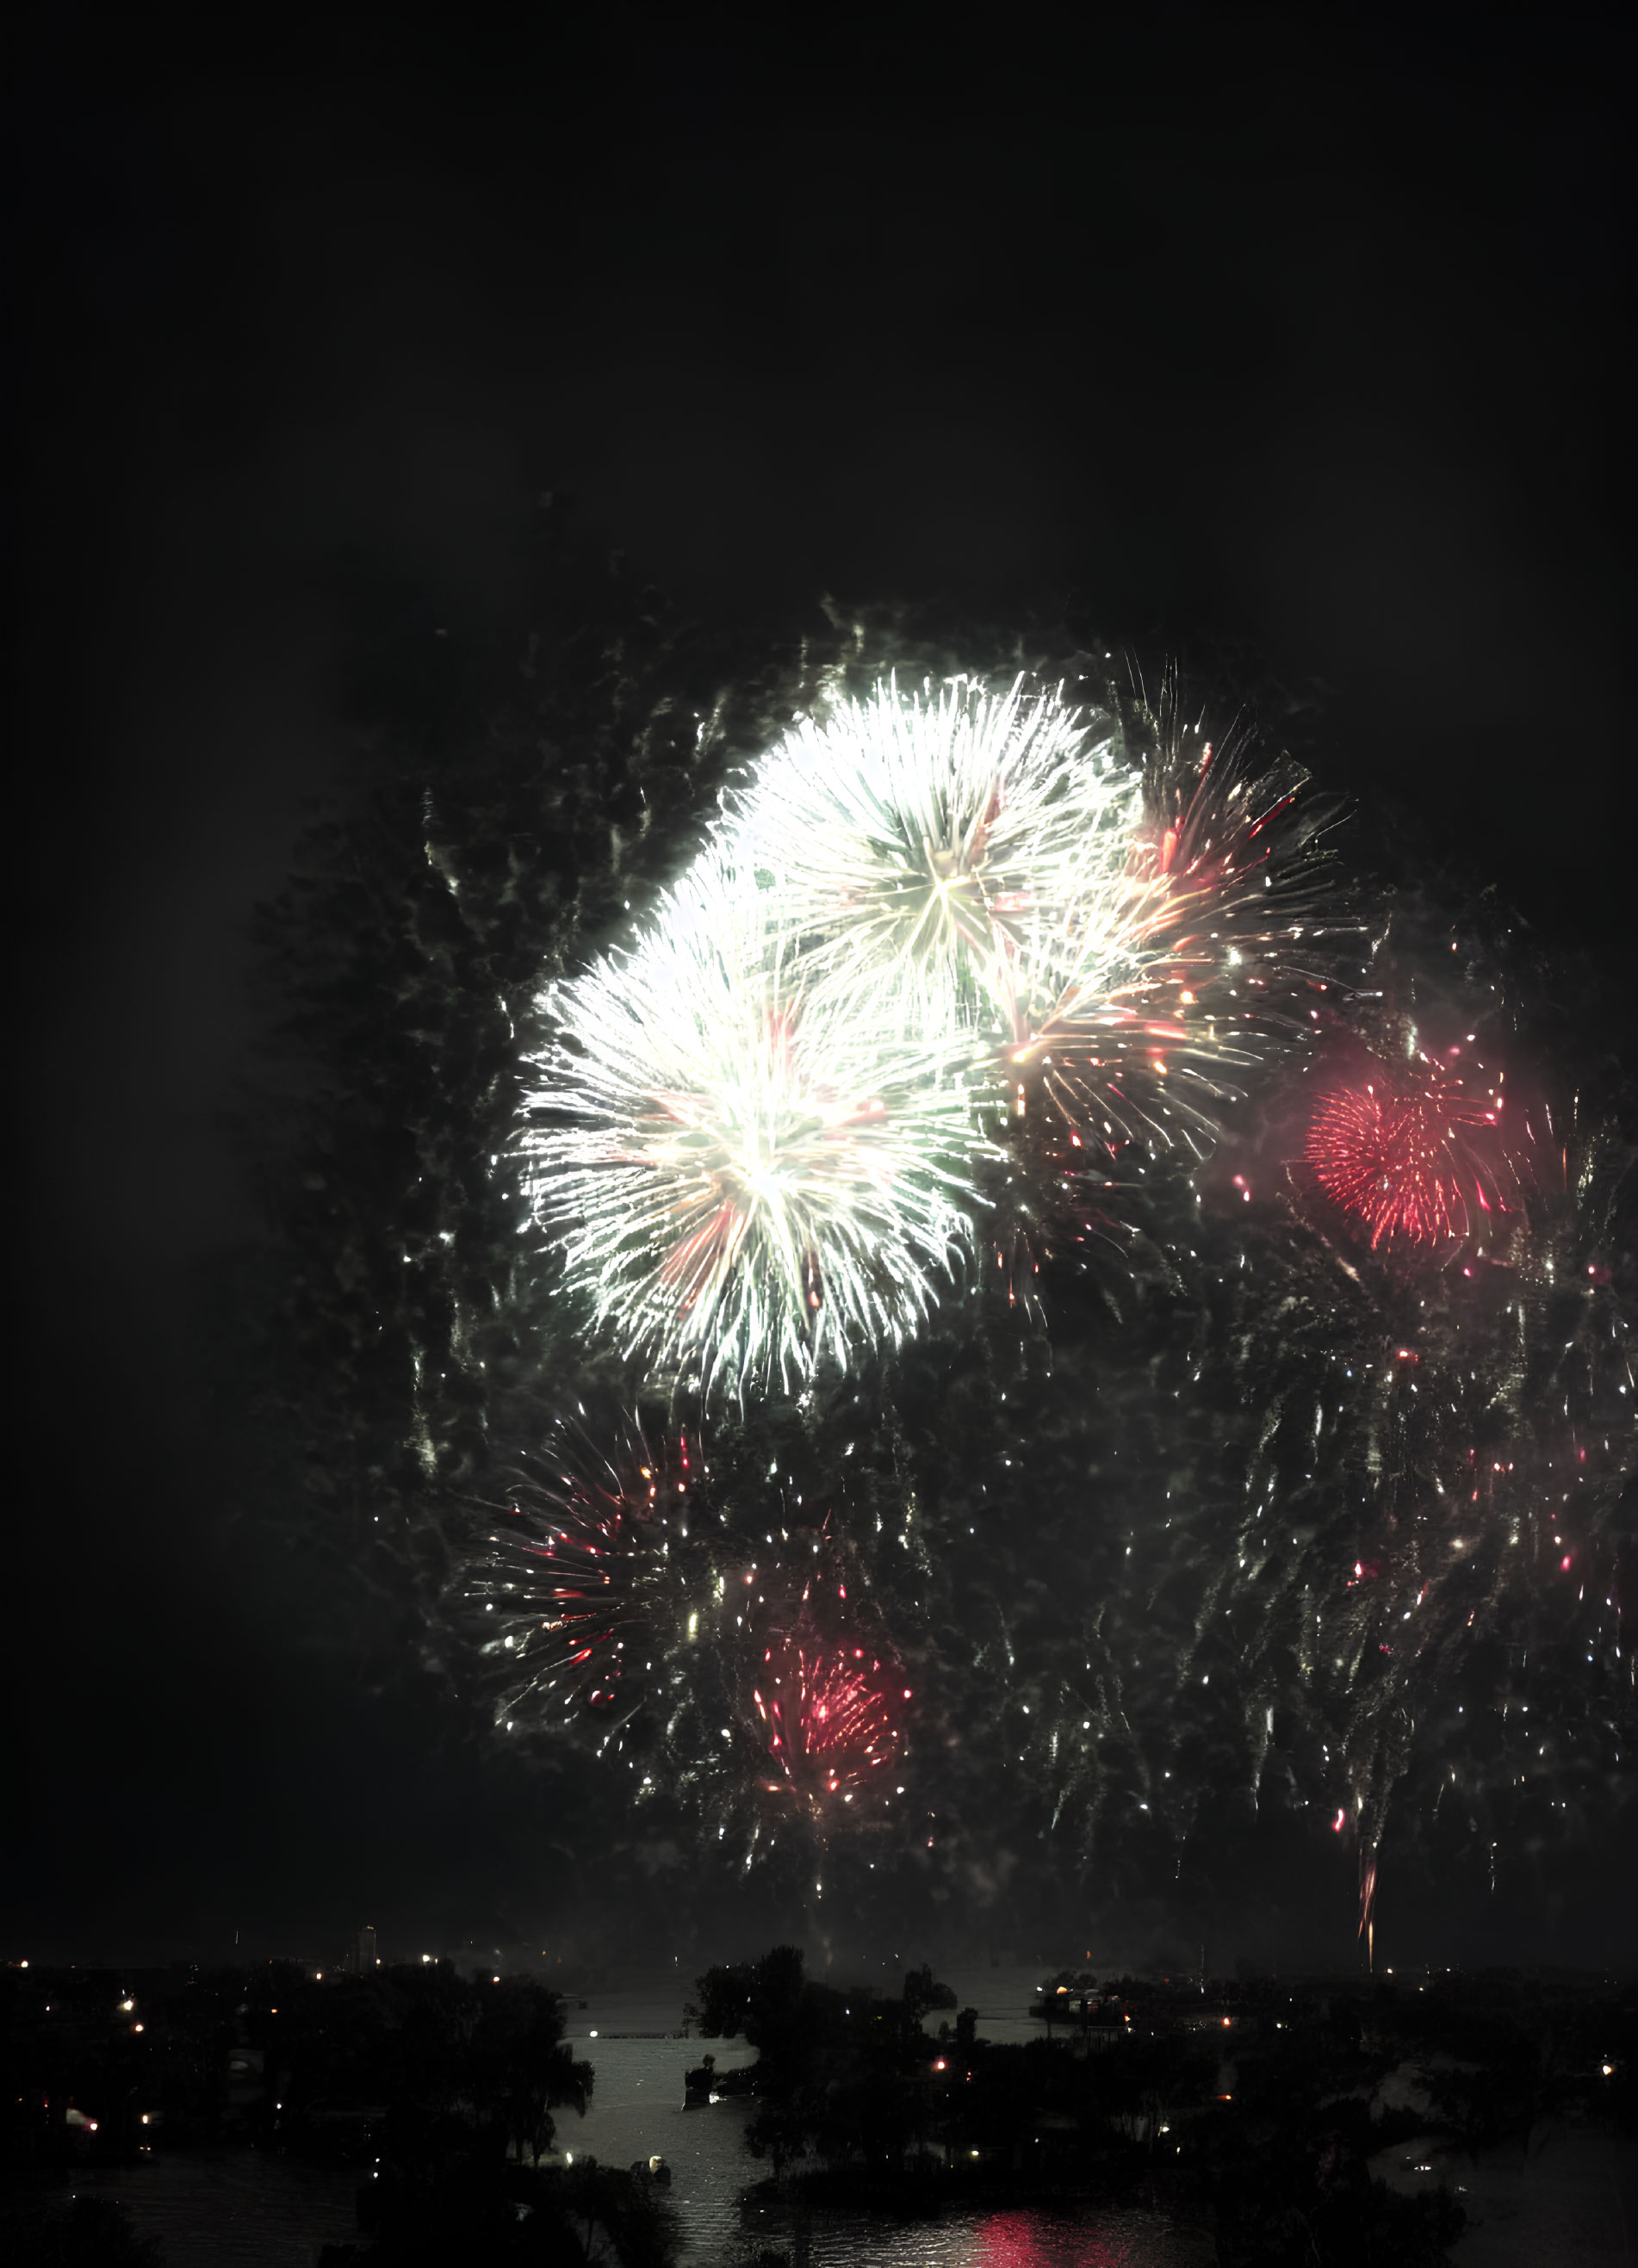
(1300, 334)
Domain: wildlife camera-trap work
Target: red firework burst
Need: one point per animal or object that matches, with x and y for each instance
(1410, 1155)
(831, 1713)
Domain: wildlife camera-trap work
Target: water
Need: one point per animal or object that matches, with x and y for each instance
(233, 2208)
(247, 2209)
(1015, 2236)
(636, 2112)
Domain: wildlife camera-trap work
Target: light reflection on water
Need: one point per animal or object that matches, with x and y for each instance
(241, 2208)
(1014, 2236)
(636, 2112)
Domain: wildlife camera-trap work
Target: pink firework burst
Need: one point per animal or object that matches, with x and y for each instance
(1412, 1155)
(831, 1709)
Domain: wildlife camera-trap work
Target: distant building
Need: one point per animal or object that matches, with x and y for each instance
(362, 1956)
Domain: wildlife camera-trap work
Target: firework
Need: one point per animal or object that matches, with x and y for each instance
(1138, 1015)
(588, 1574)
(1122, 941)
(1303, 1528)
(829, 1698)
(1496, 1426)
(1350, 1545)
(746, 1176)
(925, 838)
(1410, 1154)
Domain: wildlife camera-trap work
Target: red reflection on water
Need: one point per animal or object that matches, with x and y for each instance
(1026, 2239)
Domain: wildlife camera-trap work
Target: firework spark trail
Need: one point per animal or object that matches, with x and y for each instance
(1388, 1581)
(756, 1136)
(634, 1601)
(747, 1177)
(828, 1716)
(1493, 1428)
(611, 1603)
(1439, 1455)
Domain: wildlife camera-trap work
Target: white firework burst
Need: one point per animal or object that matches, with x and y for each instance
(992, 851)
(744, 1174)
(932, 840)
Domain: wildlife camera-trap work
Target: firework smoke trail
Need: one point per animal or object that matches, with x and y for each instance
(750, 1178)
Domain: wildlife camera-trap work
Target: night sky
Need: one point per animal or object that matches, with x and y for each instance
(1296, 342)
